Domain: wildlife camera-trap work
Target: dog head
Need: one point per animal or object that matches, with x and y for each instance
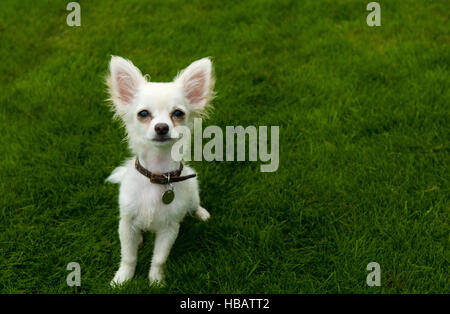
(152, 111)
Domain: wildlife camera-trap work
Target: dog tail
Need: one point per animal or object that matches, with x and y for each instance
(117, 175)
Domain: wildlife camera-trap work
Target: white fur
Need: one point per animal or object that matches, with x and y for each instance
(141, 207)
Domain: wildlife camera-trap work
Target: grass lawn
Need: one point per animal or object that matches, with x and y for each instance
(364, 145)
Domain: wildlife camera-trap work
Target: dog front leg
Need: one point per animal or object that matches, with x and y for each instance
(164, 240)
(129, 241)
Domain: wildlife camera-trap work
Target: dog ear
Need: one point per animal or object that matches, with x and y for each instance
(197, 82)
(124, 81)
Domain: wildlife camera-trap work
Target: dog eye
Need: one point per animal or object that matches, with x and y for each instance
(143, 114)
(178, 114)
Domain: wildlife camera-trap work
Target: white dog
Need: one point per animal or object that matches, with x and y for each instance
(156, 192)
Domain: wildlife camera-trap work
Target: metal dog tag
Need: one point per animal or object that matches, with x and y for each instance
(168, 196)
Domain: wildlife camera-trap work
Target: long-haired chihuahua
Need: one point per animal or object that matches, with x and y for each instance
(156, 191)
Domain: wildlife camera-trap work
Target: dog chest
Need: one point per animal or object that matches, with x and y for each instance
(153, 213)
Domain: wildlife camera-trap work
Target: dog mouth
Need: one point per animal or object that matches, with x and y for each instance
(162, 139)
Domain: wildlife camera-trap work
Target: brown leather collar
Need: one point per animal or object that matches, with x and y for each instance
(163, 178)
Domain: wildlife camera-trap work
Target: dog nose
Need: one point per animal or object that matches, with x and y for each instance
(161, 128)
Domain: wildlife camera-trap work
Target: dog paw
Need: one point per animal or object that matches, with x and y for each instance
(121, 276)
(156, 276)
(202, 214)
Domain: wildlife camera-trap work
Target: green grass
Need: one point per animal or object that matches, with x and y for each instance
(364, 145)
